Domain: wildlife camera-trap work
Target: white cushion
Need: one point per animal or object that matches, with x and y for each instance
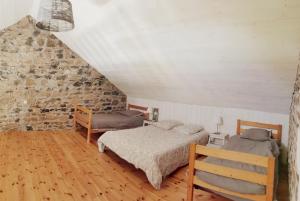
(188, 129)
(167, 124)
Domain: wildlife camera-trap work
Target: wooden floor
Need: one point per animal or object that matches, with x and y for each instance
(60, 166)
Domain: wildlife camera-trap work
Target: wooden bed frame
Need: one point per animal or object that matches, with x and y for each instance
(262, 179)
(84, 117)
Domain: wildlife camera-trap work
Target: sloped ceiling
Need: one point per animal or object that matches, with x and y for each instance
(241, 54)
(13, 10)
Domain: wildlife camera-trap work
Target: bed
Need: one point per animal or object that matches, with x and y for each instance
(156, 151)
(244, 169)
(99, 123)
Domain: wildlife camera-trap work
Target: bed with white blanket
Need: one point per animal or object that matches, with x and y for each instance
(157, 150)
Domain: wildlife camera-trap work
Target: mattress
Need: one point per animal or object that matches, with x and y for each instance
(117, 120)
(156, 151)
(266, 148)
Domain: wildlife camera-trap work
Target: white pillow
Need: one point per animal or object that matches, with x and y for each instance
(188, 129)
(167, 124)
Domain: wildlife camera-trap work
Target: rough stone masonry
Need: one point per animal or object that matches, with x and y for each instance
(41, 80)
(293, 139)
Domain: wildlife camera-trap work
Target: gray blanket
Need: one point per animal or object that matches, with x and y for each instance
(117, 120)
(267, 148)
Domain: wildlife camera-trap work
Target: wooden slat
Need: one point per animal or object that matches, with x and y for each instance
(141, 109)
(137, 107)
(83, 109)
(259, 125)
(101, 130)
(82, 117)
(82, 123)
(231, 172)
(221, 190)
(233, 156)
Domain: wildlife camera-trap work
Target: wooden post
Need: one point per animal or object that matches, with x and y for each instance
(89, 133)
(279, 133)
(238, 127)
(90, 126)
(74, 118)
(190, 181)
(270, 176)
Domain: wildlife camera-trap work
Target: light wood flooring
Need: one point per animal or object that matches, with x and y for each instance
(60, 166)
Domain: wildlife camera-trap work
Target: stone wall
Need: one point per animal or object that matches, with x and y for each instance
(41, 79)
(294, 124)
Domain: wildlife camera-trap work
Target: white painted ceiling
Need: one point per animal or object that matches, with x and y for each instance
(236, 53)
(13, 10)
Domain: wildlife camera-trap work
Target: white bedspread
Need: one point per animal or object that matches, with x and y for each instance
(156, 151)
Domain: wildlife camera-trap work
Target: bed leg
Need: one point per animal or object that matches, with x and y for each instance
(190, 187)
(101, 147)
(89, 135)
(270, 183)
(190, 195)
(90, 118)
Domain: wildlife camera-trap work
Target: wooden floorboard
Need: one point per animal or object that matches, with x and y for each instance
(60, 166)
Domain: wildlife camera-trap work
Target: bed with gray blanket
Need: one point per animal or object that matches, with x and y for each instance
(99, 123)
(240, 144)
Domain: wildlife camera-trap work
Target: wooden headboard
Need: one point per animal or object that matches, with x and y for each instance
(139, 108)
(275, 128)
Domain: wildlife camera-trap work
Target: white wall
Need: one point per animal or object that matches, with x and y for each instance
(205, 115)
